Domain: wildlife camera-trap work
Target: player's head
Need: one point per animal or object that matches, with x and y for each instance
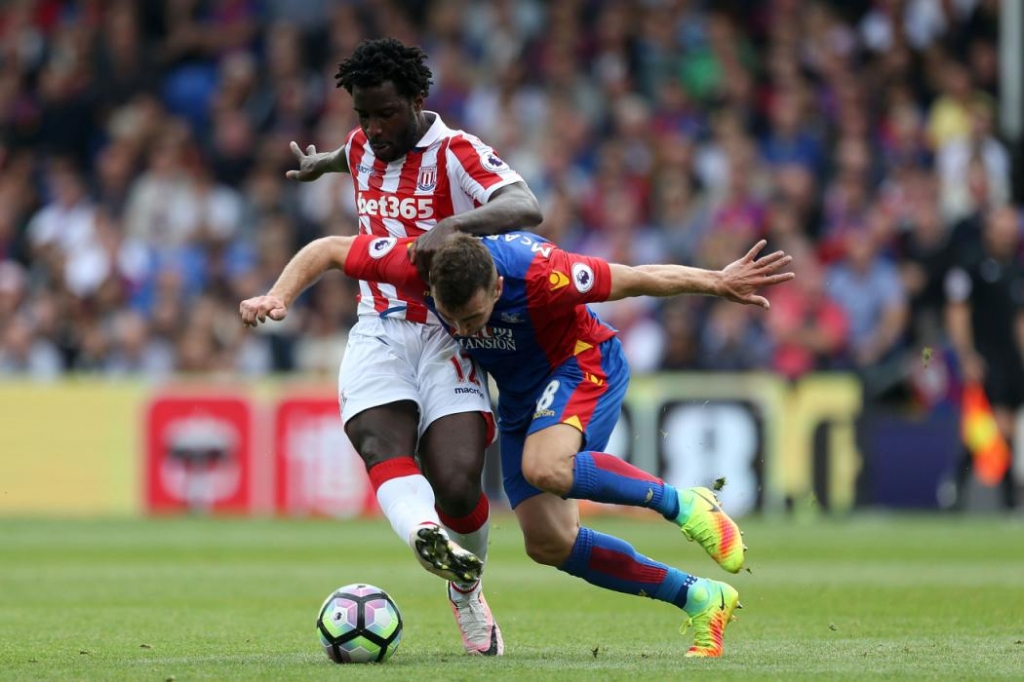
(465, 284)
(388, 82)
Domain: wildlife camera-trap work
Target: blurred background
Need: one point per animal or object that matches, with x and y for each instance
(143, 147)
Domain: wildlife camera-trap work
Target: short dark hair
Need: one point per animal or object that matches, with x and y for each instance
(386, 59)
(459, 269)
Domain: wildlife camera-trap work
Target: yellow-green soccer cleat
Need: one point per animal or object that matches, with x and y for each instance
(709, 624)
(701, 519)
(442, 557)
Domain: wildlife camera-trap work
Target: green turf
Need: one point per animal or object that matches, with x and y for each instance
(191, 599)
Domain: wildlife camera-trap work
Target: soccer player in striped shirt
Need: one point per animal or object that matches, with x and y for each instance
(401, 383)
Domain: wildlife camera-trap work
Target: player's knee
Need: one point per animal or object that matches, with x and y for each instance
(549, 549)
(547, 474)
(376, 448)
(457, 492)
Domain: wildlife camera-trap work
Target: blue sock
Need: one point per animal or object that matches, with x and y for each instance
(613, 564)
(601, 477)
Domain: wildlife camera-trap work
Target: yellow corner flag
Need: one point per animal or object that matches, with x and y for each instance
(981, 434)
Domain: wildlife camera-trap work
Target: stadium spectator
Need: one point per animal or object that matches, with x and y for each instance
(790, 141)
(733, 341)
(949, 117)
(977, 152)
(26, 354)
(924, 258)
(678, 320)
(868, 288)
(135, 351)
(809, 329)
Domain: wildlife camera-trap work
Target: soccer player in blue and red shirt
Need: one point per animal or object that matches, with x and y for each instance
(517, 304)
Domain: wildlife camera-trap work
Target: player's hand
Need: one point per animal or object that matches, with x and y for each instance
(421, 254)
(743, 277)
(258, 308)
(311, 164)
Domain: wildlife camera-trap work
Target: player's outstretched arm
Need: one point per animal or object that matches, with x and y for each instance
(738, 281)
(313, 164)
(305, 268)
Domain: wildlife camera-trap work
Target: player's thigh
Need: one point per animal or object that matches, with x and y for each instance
(376, 368)
(548, 457)
(384, 432)
(549, 524)
(377, 389)
(455, 441)
(517, 489)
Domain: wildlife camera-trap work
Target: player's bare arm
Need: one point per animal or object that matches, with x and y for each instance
(313, 164)
(302, 271)
(513, 207)
(738, 282)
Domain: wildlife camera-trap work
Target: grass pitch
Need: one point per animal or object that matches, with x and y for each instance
(875, 597)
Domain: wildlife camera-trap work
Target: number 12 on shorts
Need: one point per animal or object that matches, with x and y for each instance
(460, 372)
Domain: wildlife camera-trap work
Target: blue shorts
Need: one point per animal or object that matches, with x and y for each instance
(586, 391)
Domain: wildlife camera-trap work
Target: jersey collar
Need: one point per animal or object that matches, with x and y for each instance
(434, 132)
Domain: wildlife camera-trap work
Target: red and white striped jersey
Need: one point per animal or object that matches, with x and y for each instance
(447, 172)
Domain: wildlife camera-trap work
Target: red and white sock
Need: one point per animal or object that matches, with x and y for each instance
(404, 495)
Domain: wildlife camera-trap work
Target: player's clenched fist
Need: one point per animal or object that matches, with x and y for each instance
(259, 308)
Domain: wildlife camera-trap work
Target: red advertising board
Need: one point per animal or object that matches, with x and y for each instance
(199, 454)
(316, 469)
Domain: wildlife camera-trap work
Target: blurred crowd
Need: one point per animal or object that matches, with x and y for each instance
(143, 147)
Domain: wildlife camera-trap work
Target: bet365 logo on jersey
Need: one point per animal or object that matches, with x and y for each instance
(379, 205)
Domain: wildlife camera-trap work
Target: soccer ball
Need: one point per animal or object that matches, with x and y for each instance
(359, 624)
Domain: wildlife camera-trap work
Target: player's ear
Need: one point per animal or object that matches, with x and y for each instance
(417, 103)
(499, 287)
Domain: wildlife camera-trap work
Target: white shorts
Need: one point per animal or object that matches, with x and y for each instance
(387, 360)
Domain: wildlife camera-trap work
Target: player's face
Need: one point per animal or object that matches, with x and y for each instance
(472, 317)
(388, 118)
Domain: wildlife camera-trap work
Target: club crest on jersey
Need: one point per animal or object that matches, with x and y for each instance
(381, 247)
(582, 277)
(427, 179)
